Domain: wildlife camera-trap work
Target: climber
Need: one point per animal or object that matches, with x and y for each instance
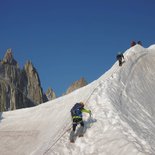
(133, 43)
(76, 113)
(139, 43)
(119, 57)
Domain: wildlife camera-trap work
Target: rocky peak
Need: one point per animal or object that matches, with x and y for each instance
(9, 59)
(19, 88)
(32, 72)
(50, 94)
(33, 83)
(76, 85)
(29, 66)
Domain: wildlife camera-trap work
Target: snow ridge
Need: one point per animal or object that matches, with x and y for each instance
(122, 122)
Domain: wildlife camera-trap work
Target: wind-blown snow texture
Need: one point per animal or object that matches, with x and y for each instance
(123, 120)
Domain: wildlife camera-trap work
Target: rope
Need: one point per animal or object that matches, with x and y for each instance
(69, 124)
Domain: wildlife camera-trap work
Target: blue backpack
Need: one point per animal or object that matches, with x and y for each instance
(76, 110)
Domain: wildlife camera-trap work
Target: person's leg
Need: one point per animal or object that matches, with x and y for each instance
(81, 131)
(72, 134)
(82, 123)
(74, 126)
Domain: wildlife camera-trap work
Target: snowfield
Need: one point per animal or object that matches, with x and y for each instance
(122, 102)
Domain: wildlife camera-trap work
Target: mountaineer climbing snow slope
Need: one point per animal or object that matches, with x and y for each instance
(122, 122)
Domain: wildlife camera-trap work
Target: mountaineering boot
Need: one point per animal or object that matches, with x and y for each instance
(81, 131)
(81, 135)
(72, 136)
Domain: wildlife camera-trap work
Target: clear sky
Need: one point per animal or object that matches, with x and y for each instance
(69, 39)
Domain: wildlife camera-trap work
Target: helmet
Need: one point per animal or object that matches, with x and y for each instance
(82, 104)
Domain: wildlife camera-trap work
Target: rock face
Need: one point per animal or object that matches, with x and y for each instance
(50, 94)
(19, 88)
(8, 58)
(33, 86)
(76, 85)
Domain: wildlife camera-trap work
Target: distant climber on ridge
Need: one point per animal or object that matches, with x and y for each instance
(139, 43)
(76, 113)
(120, 58)
(133, 43)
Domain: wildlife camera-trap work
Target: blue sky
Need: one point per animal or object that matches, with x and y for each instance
(69, 39)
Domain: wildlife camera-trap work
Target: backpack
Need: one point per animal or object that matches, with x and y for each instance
(119, 56)
(76, 110)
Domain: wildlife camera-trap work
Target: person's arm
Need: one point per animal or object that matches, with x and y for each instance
(87, 111)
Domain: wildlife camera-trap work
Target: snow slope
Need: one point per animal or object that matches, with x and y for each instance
(123, 120)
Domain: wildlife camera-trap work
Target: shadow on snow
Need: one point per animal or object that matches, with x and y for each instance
(80, 130)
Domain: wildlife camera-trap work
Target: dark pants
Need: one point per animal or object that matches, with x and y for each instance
(120, 62)
(77, 121)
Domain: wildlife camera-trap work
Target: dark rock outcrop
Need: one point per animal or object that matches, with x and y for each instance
(19, 88)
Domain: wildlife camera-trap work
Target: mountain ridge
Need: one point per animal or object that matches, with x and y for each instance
(121, 123)
(21, 88)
